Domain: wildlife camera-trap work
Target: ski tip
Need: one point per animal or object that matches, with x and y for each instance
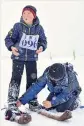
(24, 119)
(65, 116)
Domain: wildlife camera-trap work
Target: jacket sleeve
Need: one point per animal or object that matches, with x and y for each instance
(60, 98)
(42, 39)
(33, 90)
(12, 37)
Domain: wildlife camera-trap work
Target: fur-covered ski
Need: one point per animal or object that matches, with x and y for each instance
(66, 115)
(42, 111)
(22, 118)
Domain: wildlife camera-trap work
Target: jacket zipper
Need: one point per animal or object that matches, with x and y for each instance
(26, 49)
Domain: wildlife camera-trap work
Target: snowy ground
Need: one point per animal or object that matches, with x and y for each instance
(38, 120)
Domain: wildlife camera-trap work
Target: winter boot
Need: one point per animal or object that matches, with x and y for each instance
(34, 105)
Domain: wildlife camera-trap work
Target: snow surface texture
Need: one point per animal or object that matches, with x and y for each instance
(78, 115)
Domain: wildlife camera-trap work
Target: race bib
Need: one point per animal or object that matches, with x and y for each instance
(29, 41)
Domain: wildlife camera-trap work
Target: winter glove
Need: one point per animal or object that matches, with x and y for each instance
(47, 104)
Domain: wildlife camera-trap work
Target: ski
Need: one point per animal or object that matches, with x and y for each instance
(66, 115)
(42, 111)
(22, 118)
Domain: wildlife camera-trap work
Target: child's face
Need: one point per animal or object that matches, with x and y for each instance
(28, 17)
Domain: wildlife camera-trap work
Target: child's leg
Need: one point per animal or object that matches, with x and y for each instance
(69, 105)
(31, 73)
(14, 86)
(50, 96)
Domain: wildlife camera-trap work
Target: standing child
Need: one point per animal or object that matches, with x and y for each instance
(26, 40)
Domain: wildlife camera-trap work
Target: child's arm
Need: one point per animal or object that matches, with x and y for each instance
(12, 37)
(42, 39)
(33, 90)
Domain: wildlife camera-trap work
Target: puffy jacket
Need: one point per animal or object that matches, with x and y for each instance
(27, 39)
(64, 89)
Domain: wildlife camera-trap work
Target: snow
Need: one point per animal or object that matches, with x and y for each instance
(78, 114)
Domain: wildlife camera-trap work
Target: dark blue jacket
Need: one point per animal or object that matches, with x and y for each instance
(64, 89)
(27, 39)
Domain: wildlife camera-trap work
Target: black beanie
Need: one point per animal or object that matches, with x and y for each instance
(56, 71)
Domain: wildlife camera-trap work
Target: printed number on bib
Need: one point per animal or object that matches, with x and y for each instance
(29, 41)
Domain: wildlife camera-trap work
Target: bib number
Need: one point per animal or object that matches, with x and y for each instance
(29, 41)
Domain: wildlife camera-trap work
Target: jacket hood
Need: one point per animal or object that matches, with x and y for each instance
(35, 21)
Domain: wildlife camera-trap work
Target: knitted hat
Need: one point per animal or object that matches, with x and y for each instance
(32, 9)
(56, 72)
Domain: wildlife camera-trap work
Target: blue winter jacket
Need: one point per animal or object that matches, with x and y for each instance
(27, 39)
(64, 89)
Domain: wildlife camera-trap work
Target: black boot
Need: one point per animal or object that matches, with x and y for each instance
(14, 108)
(34, 105)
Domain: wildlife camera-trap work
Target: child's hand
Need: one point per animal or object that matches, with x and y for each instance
(14, 51)
(39, 50)
(47, 104)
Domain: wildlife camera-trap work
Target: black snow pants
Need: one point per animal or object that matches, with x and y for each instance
(17, 71)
